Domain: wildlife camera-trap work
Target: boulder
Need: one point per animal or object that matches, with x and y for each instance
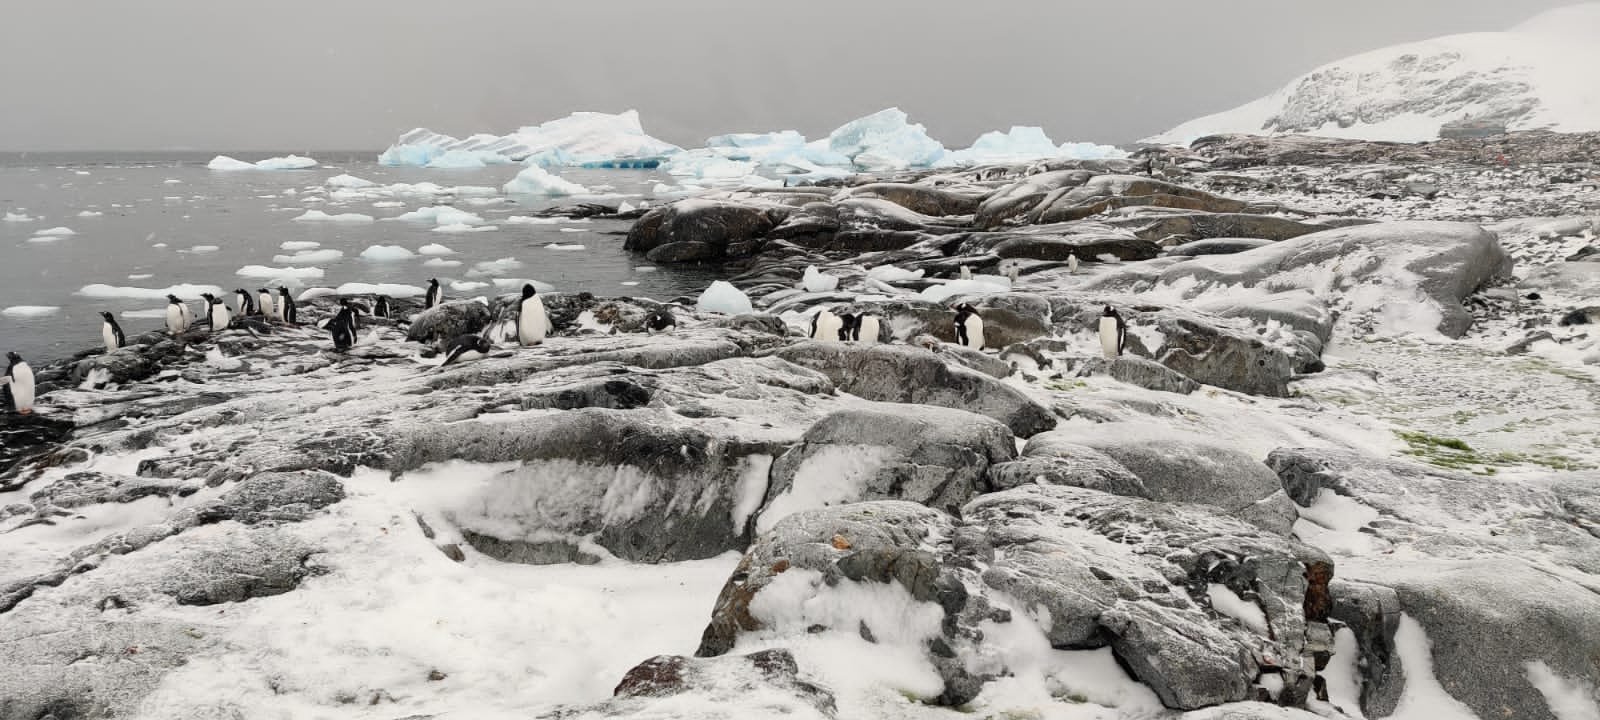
(128, 364)
(1023, 195)
(1110, 192)
(1050, 459)
(1217, 246)
(761, 684)
(722, 228)
(922, 199)
(1204, 226)
(929, 455)
(904, 374)
(443, 323)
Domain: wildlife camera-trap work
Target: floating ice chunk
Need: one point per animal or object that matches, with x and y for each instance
(573, 230)
(705, 164)
(388, 204)
(141, 276)
(440, 215)
(90, 213)
(383, 253)
(525, 220)
(203, 249)
(223, 162)
(462, 228)
(43, 239)
(494, 267)
(645, 269)
(299, 245)
(977, 285)
(184, 292)
(320, 216)
(559, 246)
(467, 285)
(434, 249)
(159, 245)
(441, 262)
(55, 232)
(462, 191)
(517, 283)
(29, 310)
(316, 292)
(390, 289)
(890, 273)
(624, 207)
(349, 182)
(885, 141)
(272, 273)
(817, 282)
(309, 257)
(535, 180)
(172, 181)
(18, 217)
(723, 297)
(288, 162)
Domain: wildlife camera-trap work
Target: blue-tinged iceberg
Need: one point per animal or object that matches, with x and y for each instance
(1024, 143)
(582, 139)
(885, 141)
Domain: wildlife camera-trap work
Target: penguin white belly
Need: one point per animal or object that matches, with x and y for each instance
(22, 387)
(109, 336)
(974, 325)
(532, 323)
(1108, 337)
(869, 330)
(828, 325)
(188, 315)
(220, 317)
(174, 319)
(264, 300)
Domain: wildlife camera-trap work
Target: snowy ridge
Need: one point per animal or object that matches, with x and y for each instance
(1531, 77)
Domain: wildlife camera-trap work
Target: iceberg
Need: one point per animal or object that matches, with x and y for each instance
(494, 267)
(1021, 144)
(18, 217)
(466, 159)
(320, 216)
(290, 162)
(272, 273)
(434, 249)
(349, 182)
(184, 292)
(817, 282)
(707, 164)
(391, 289)
(223, 162)
(582, 139)
(299, 245)
(29, 310)
(723, 297)
(535, 180)
(309, 257)
(884, 141)
(440, 215)
(55, 232)
(382, 253)
(464, 228)
(441, 262)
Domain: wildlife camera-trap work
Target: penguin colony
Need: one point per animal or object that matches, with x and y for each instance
(262, 310)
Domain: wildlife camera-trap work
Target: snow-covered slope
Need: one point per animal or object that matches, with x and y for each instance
(1535, 76)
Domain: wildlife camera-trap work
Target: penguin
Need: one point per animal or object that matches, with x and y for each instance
(969, 326)
(285, 308)
(467, 347)
(1113, 333)
(217, 312)
(111, 333)
(847, 326)
(19, 382)
(1072, 264)
(178, 315)
(1011, 269)
(865, 329)
(660, 320)
(246, 304)
(825, 325)
(966, 272)
(380, 307)
(268, 312)
(532, 323)
(435, 295)
(355, 314)
(343, 328)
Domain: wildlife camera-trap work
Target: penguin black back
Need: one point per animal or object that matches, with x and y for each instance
(114, 337)
(289, 312)
(660, 320)
(380, 307)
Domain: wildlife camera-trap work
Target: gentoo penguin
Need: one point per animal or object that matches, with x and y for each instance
(245, 303)
(825, 325)
(19, 380)
(220, 317)
(435, 295)
(1113, 333)
(865, 328)
(467, 347)
(1072, 263)
(847, 326)
(1011, 269)
(380, 307)
(660, 320)
(969, 326)
(267, 310)
(343, 328)
(178, 315)
(966, 272)
(285, 308)
(355, 314)
(532, 323)
(111, 333)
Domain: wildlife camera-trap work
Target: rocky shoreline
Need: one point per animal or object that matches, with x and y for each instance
(1204, 514)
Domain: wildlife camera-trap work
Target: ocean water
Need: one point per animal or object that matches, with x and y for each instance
(146, 200)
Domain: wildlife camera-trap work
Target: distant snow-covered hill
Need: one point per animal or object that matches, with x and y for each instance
(1538, 75)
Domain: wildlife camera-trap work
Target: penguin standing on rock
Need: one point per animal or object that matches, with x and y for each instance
(285, 309)
(246, 304)
(467, 347)
(969, 326)
(19, 384)
(355, 314)
(179, 318)
(343, 328)
(847, 326)
(217, 312)
(1113, 333)
(825, 325)
(111, 333)
(268, 312)
(660, 320)
(865, 328)
(532, 322)
(380, 307)
(435, 295)
(1072, 264)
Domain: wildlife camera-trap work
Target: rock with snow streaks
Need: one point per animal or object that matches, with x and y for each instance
(446, 322)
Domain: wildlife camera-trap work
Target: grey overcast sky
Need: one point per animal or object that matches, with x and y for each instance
(353, 74)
